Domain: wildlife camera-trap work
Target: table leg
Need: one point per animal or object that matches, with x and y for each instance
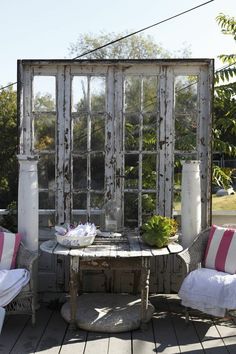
(74, 269)
(145, 275)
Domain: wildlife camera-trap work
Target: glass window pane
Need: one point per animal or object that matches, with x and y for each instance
(98, 133)
(97, 92)
(132, 93)
(149, 171)
(96, 219)
(46, 172)
(186, 131)
(186, 113)
(132, 132)
(131, 209)
(79, 94)
(80, 172)
(44, 131)
(97, 171)
(150, 132)
(44, 94)
(148, 205)
(97, 201)
(131, 170)
(79, 200)
(46, 199)
(47, 221)
(79, 219)
(150, 94)
(80, 133)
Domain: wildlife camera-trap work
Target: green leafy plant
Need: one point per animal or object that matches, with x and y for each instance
(158, 230)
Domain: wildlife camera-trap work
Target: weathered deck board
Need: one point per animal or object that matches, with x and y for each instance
(31, 336)
(227, 332)
(166, 340)
(167, 333)
(97, 343)
(11, 331)
(120, 343)
(209, 337)
(53, 335)
(74, 342)
(143, 340)
(187, 337)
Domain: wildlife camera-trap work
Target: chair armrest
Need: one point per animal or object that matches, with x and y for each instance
(26, 258)
(193, 255)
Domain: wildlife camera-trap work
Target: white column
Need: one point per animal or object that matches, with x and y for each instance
(190, 202)
(28, 201)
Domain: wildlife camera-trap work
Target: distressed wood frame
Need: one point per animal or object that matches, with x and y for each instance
(115, 71)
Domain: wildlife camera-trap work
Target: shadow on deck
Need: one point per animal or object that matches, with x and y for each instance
(166, 333)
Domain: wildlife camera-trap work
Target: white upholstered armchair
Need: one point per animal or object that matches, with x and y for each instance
(210, 267)
(25, 301)
(17, 296)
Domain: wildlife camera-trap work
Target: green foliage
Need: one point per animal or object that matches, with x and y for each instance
(228, 27)
(44, 103)
(158, 229)
(227, 24)
(135, 47)
(221, 177)
(9, 220)
(8, 147)
(224, 122)
(226, 74)
(44, 122)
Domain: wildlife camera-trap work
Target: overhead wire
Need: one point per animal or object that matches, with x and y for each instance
(136, 32)
(13, 83)
(129, 35)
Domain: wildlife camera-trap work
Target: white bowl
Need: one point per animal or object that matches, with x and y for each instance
(75, 241)
(80, 236)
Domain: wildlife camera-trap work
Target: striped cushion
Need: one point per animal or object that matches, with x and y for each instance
(221, 249)
(9, 245)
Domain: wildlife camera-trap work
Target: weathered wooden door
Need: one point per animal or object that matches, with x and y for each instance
(112, 130)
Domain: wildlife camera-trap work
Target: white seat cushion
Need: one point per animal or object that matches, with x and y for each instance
(11, 283)
(209, 291)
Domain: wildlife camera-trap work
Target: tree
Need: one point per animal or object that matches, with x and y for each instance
(224, 123)
(134, 47)
(44, 121)
(8, 147)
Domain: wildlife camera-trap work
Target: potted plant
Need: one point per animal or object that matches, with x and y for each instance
(158, 230)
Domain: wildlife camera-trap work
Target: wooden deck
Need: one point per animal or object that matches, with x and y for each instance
(167, 333)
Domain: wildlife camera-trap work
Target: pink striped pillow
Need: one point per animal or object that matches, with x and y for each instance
(221, 249)
(9, 245)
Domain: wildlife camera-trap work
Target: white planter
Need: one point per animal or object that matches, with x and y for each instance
(28, 201)
(190, 202)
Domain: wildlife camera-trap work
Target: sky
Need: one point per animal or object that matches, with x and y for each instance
(33, 29)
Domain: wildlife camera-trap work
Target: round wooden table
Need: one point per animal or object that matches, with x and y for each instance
(127, 252)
